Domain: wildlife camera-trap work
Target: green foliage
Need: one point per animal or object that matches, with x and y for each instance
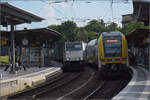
(82, 34)
(92, 35)
(54, 27)
(131, 26)
(96, 26)
(68, 30)
(71, 32)
(113, 27)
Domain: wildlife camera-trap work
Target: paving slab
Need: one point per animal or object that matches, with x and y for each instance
(138, 88)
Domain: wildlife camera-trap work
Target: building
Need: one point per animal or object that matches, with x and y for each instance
(139, 39)
(23, 45)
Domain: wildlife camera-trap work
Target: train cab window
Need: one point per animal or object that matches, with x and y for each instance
(112, 46)
(73, 46)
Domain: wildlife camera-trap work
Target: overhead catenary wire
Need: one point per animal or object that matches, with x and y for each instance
(114, 1)
(111, 7)
(73, 18)
(73, 11)
(57, 10)
(60, 12)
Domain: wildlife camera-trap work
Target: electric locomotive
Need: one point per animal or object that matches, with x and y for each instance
(74, 55)
(112, 52)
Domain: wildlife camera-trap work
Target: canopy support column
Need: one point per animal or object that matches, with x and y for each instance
(12, 50)
(149, 52)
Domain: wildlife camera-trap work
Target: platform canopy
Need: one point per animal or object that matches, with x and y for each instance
(11, 15)
(34, 35)
(40, 34)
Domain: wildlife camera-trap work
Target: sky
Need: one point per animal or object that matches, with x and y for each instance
(79, 11)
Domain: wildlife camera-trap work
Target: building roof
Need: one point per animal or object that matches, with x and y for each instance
(35, 35)
(127, 18)
(11, 15)
(40, 34)
(142, 10)
(146, 1)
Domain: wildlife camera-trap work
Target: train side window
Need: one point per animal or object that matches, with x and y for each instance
(92, 42)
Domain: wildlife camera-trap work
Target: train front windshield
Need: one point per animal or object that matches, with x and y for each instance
(112, 46)
(73, 46)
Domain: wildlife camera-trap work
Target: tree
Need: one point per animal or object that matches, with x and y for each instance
(68, 29)
(95, 26)
(113, 27)
(102, 22)
(92, 35)
(131, 26)
(82, 34)
(54, 27)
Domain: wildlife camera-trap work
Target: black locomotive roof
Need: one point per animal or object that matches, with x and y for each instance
(113, 33)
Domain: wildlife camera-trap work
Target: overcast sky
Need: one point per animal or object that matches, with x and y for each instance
(79, 11)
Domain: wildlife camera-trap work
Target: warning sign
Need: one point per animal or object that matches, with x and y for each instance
(4, 41)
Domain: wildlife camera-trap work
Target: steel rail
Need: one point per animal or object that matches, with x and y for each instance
(96, 90)
(61, 81)
(83, 85)
(45, 87)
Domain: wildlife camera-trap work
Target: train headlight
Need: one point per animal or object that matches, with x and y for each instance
(81, 58)
(67, 58)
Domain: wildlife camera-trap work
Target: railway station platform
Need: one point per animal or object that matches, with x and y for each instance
(138, 88)
(12, 83)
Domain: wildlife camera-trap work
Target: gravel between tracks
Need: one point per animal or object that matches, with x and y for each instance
(59, 92)
(105, 88)
(79, 87)
(29, 93)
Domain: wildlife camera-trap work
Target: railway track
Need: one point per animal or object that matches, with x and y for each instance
(109, 87)
(106, 90)
(95, 91)
(98, 89)
(84, 85)
(48, 86)
(70, 88)
(77, 90)
(61, 82)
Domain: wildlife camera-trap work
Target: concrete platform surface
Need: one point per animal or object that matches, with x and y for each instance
(6, 74)
(20, 73)
(138, 88)
(13, 83)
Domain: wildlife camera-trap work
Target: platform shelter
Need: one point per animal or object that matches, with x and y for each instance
(139, 39)
(139, 44)
(34, 47)
(12, 16)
